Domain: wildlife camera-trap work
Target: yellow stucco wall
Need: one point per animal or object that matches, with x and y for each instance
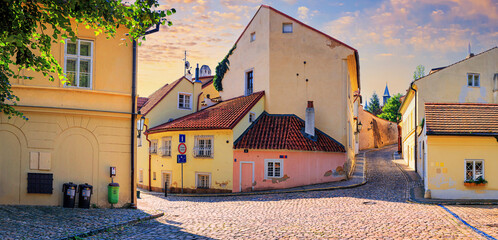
(82, 132)
(168, 107)
(446, 157)
(208, 90)
(220, 166)
(408, 129)
(277, 60)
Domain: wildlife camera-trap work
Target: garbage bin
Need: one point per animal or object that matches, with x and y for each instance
(69, 190)
(113, 193)
(85, 191)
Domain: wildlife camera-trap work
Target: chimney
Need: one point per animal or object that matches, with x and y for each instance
(309, 125)
(197, 74)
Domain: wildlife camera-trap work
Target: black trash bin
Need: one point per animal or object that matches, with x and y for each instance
(69, 190)
(85, 192)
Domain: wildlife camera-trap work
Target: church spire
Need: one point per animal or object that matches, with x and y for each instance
(386, 95)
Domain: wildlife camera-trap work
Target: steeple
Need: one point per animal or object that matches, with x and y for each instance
(386, 95)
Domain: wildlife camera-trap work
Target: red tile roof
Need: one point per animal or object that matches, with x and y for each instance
(224, 115)
(158, 95)
(461, 119)
(284, 132)
(141, 102)
(205, 80)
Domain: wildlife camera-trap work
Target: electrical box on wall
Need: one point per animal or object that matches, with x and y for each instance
(113, 171)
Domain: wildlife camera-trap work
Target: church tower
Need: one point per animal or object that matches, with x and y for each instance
(386, 95)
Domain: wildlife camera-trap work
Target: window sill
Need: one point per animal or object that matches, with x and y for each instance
(474, 184)
(185, 108)
(205, 157)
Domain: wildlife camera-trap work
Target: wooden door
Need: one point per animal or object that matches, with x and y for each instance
(246, 177)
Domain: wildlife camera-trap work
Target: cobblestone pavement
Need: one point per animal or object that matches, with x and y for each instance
(372, 211)
(44, 222)
(484, 218)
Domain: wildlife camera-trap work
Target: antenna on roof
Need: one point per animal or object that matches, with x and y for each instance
(470, 52)
(187, 65)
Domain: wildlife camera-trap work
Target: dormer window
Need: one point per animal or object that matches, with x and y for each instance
(473, 80)
(252, 117)
(249, 82)
(253, 37)
(287, 27)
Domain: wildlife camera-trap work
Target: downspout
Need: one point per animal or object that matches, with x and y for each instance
(150, 164)
(416, 120)
(134, 114)
(133, 120)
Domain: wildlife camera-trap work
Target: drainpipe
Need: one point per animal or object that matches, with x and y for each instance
(134, 114)
(416, 120)
(150, 157)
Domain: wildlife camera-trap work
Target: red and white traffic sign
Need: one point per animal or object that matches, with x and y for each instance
(182, 148)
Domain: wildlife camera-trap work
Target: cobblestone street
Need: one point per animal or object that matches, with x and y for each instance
(375, 210)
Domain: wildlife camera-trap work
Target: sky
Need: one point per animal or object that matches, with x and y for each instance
(391, 36)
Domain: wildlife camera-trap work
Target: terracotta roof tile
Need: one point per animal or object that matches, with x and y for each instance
(224, 115)
(461, 119)
(141, 102)
(284, 132)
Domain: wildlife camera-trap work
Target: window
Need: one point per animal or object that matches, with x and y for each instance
(473, 80)
(287, 27)
(141, 175)
(203, 146)
(154, 176)
(252, 117)
(166, 148)
(274, 168)
(474, 169)
(203, 180)
(139, 140)
(78, 63)
(153, 147)
(184, 101)
(249, 82)
(253, 37)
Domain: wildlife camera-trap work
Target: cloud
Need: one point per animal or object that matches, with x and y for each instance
(303, 13)
(291, 2)
(385, 55)
(226, 15)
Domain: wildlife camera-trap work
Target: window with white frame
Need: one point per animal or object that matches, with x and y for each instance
(252, 117)
(203, 146)
(287, 27)
(154, 176)
(203, 180)
(474, 169)
(249, 82)
(166, 146)
(274, 168)
(78, 59)
(153, 147)
(253, 37)
(184, 101)
(141, 175)
(473, 80)
(139, 140)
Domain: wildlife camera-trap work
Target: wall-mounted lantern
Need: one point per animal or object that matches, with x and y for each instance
(140, 125)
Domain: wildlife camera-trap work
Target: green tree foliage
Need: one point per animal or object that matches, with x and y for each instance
(390, 109)
(221, 69)
(29, 28)
(419, 72)
(374, 105)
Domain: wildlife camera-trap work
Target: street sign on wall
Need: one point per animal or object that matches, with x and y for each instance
(181, 158)
(182, 138)
(182, 148)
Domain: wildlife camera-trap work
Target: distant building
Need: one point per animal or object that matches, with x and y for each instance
(205, 71)
(386, 96)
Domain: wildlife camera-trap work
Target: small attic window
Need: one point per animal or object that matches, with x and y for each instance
(253, 36)
(287, 27)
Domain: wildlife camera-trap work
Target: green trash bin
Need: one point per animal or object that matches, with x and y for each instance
(113, 193)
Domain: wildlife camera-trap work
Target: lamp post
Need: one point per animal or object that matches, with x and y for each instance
(359, 126)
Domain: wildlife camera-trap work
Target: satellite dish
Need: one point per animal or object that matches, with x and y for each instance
(187, 65)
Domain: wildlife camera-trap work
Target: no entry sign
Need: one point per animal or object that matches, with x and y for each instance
(182, 148)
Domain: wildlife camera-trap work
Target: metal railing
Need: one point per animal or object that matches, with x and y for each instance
(165, 151)
(203, 152)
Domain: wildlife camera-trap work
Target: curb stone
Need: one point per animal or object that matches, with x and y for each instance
(107, 228)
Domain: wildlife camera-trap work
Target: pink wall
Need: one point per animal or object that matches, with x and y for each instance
(299, 168)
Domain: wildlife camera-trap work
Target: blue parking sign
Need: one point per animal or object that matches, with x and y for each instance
(181, 158)
(182, 138)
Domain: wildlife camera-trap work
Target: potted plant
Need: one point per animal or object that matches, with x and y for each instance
(480, 181)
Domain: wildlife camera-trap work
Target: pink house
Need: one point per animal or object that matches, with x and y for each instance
(281, 151)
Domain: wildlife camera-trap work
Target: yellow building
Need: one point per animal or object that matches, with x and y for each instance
(295, 63)
(472, 80)
(208, 136)
(460, 146)
(74, 133)
(171, 101)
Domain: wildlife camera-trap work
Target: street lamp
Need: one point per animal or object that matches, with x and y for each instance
(359, 126)
(140, 125)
